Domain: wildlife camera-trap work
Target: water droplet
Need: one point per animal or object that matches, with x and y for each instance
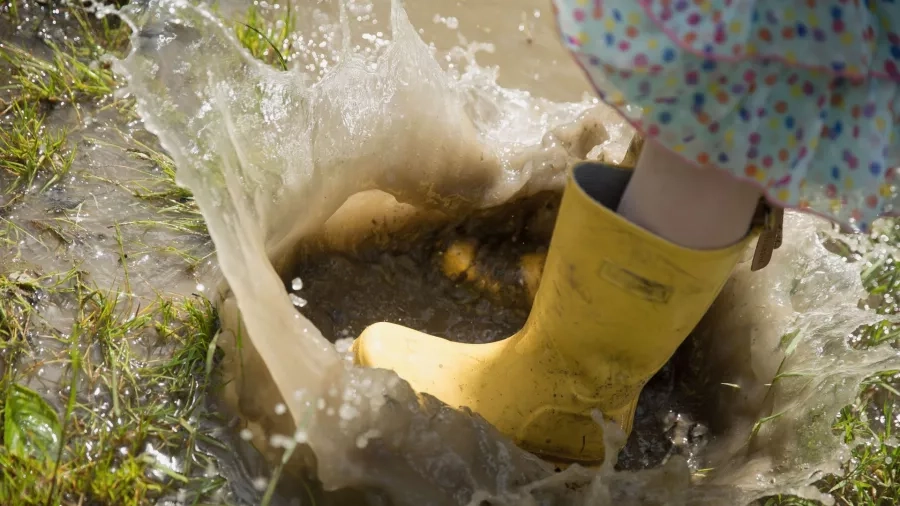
(260, 483)
(348, 412)
(297, 300)
(281, 441)
(296, 284)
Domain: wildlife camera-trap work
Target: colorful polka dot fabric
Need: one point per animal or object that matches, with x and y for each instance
(796, 96)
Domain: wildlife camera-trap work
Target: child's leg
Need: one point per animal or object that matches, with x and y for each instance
(687, 205)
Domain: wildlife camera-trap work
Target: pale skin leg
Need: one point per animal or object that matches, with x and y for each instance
(698, 208)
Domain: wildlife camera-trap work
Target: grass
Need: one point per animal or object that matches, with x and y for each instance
(16, 294)
(66, 72)
(109, 447)
(134, 371)
(28, 148)
(43, 79)
(268, 40)
(67, 75)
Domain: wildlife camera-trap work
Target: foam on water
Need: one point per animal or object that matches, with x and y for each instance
(271, 155)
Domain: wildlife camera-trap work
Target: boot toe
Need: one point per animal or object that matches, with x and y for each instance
(380, 345)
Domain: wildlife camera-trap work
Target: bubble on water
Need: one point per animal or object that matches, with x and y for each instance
(344, 345)
(348, 412)
(282, 441)
(260, 483)
(297, 300)
(448, 21)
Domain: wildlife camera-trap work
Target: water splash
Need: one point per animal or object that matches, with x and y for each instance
(272, 156)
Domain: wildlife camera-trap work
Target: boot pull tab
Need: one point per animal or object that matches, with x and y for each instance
(771, 220)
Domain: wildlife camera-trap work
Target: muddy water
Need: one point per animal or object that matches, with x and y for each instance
(526, 47)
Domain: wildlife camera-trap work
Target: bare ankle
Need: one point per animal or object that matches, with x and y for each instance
(694, 207)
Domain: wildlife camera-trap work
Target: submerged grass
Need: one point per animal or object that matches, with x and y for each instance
(28, 148)
(124, 427)
(174, 203)
(51, 75)
(125, 423)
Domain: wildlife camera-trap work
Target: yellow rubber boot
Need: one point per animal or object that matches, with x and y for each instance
(613, 304)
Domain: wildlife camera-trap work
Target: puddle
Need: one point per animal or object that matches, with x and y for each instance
(354, 172)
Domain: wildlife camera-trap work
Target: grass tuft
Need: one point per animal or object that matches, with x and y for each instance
(63, 77)
(268, 40)
(69, 71)
(132, 425)
(28, 149)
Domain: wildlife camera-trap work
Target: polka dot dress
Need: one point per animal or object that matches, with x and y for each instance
(798, 97)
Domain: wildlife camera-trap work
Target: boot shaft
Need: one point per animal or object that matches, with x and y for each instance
(615, 300)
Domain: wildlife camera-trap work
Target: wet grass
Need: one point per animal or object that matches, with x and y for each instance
(48, 76)
(123, 425)
(870, 425)
(28, 148)
(65, 75)
(68, 69)
(267, 38)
